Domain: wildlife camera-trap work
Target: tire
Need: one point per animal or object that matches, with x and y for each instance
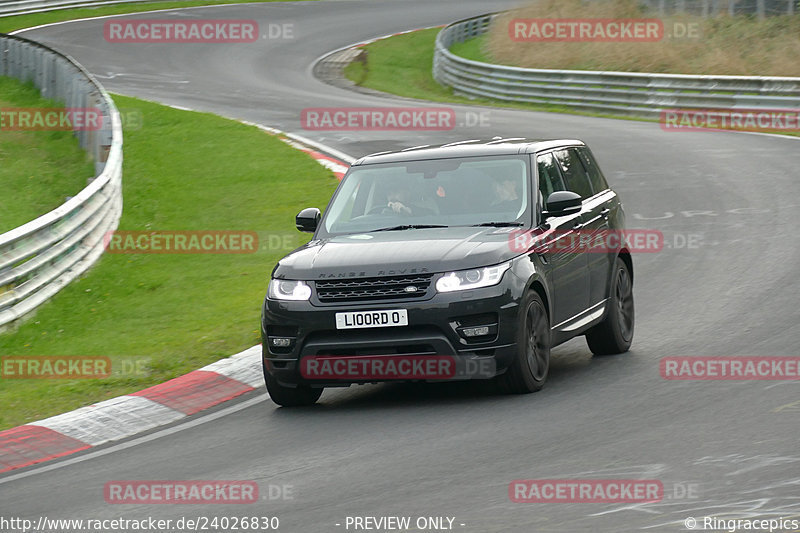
(291, 396)
(615, 333)
(530, 367)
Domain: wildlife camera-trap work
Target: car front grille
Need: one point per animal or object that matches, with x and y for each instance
(393, 287)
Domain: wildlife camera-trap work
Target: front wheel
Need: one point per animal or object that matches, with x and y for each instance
(291, 396)
(529, 369)
(615, 333)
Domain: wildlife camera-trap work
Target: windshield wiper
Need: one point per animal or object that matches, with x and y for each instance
(410, 226)
(498, 224)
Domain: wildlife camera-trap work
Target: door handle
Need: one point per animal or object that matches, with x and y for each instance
(604, 213)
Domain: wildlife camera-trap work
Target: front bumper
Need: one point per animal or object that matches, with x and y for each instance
(435, 328)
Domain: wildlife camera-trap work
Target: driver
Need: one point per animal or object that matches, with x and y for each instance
(401, 201)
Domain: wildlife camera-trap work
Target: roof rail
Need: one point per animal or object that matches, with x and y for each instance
(460, 142)
(501, 140)
(415, 147)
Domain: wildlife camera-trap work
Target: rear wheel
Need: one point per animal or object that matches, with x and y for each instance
(290, 396)
(528, 371)
(615, 333)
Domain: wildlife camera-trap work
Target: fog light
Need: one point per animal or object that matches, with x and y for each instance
(280, 342)
(475, 332)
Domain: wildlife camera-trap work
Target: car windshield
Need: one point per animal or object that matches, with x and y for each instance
(440, 192)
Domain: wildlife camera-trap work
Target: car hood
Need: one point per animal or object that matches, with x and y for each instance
(397, 253)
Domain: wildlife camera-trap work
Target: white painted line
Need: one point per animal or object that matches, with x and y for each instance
(126, 416)
(322, 147)
(122, 15)
(47, 467)
(111, 420)
(332, 166)
(332, 151)
(778, 135)
(303, 141)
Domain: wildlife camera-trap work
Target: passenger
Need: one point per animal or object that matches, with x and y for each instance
(506, 195)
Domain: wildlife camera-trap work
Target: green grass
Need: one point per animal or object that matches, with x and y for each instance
(356, 72)
(42, 168)
(182, 171)
(17, 22)
(472, 49)
(723, 45)
(403, 65)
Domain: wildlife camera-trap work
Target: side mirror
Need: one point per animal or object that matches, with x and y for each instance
(562, 203)
(307, 220)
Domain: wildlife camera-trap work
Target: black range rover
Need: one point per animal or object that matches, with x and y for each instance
(442, 263)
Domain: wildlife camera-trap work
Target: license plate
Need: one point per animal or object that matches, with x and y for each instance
(371, 319)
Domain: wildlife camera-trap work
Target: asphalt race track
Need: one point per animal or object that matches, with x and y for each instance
(720, 448)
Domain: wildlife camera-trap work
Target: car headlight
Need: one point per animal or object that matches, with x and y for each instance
(282, 289)
(472, 279)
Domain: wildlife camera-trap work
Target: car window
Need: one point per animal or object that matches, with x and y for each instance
(549, 177)
(596, 177)
(449, 192)
(574, 175)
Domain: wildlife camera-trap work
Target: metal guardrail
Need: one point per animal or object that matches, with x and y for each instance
(39, 258)
(712, 8)
(761, 8)
(627, 93)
